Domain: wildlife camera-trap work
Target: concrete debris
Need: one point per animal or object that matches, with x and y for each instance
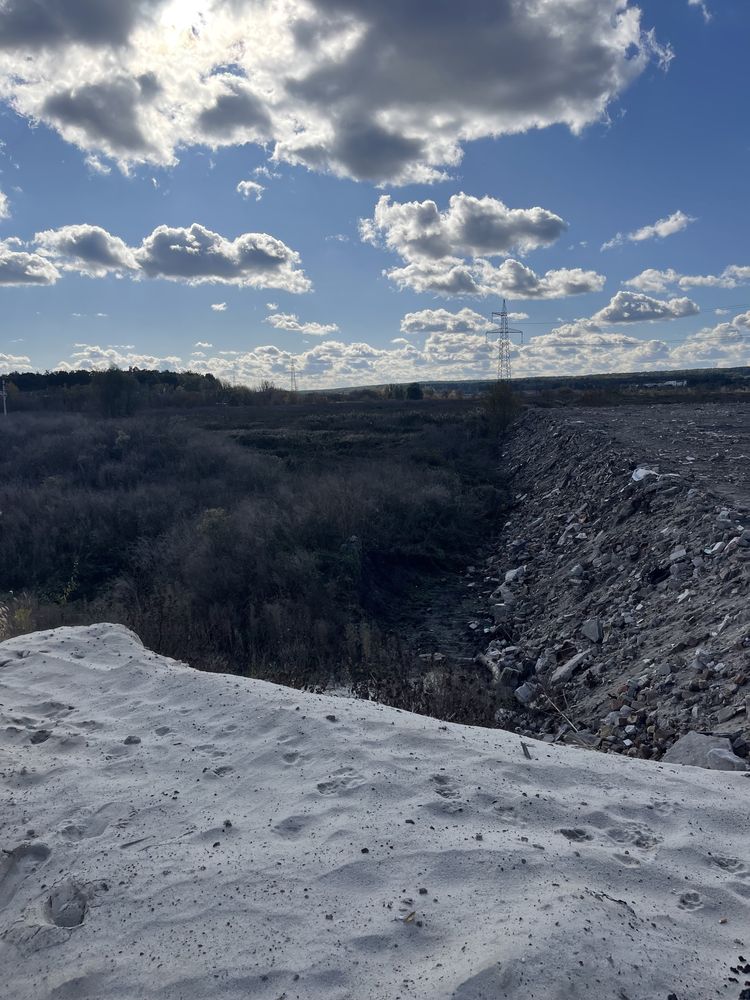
(618, 593)
(565, 672)
(700, 750)
(593, 629)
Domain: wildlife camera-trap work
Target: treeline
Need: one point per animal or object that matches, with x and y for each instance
(117, 392)
(270, 544)
(121, 393)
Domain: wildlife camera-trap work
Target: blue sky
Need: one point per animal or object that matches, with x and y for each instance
(442, 126)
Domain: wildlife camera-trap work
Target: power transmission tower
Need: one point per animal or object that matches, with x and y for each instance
(504, 370)
(293, 375)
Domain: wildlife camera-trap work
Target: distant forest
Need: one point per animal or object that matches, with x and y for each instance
(119, 393)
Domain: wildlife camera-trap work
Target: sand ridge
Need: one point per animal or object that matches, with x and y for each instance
(173, 834)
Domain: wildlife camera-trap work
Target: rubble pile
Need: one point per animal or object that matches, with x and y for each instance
(618, 601)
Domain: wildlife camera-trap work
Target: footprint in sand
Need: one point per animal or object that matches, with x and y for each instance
(67, 904)
(94, 824)
(690, 901)
(444, 788)
(732, 865)
(577, 835)
(640, 837)
(626, 859)
(342, 781)
(17, 865)
(292, 826)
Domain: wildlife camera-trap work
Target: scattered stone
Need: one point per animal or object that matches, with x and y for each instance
(525, 693)
(593, 629)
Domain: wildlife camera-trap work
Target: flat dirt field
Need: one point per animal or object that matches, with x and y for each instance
(708, 444)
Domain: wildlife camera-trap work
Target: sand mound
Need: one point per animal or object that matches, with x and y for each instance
(173, 834)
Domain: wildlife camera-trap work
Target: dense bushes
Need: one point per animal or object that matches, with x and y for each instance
(269, 542)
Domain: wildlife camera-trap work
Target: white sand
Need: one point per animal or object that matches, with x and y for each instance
(646, 895)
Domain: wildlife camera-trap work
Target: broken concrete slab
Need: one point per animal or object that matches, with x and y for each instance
(593, 629)
(700, 750)
(566, 670)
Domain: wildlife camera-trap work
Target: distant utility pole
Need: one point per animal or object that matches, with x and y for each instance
(503, 343)
(293, 375)
(4, 394)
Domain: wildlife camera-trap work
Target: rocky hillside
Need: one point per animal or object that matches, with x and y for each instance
(618, 599)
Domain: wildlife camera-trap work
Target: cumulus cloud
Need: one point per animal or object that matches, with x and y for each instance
(219, 307)
(235, 114)
(288, 321)
(444, 321)
(724, 345)
(635, 307)
(193, 255)
(660, 229)
(197, 255)
(652, 280)
(17, 267)
(90, 357)
(89, 250)
(250, 189)
(4, 206)
(572, 348)
(38, 24)
(111, 115)
(203, 343)
(448, 252)
(470, 227)
(511, 279)
(136, 80)
(14, 363)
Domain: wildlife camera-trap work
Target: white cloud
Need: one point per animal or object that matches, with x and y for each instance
(219, 307)
(89, 250)
(469, 227)
(20, 268)
(724, 345)
(572, 348)
(444, 321)
(701, 5)
(14, 363)
(511, 279)
(660, 229)
(4, 206)
(435, 245)
(197, 256)
(743, 320)
(135, 80)
(652, 280)
(202, 343)
(635, 307)
(193, 255)
(288, 321)
(90, 357)
(250, 188)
